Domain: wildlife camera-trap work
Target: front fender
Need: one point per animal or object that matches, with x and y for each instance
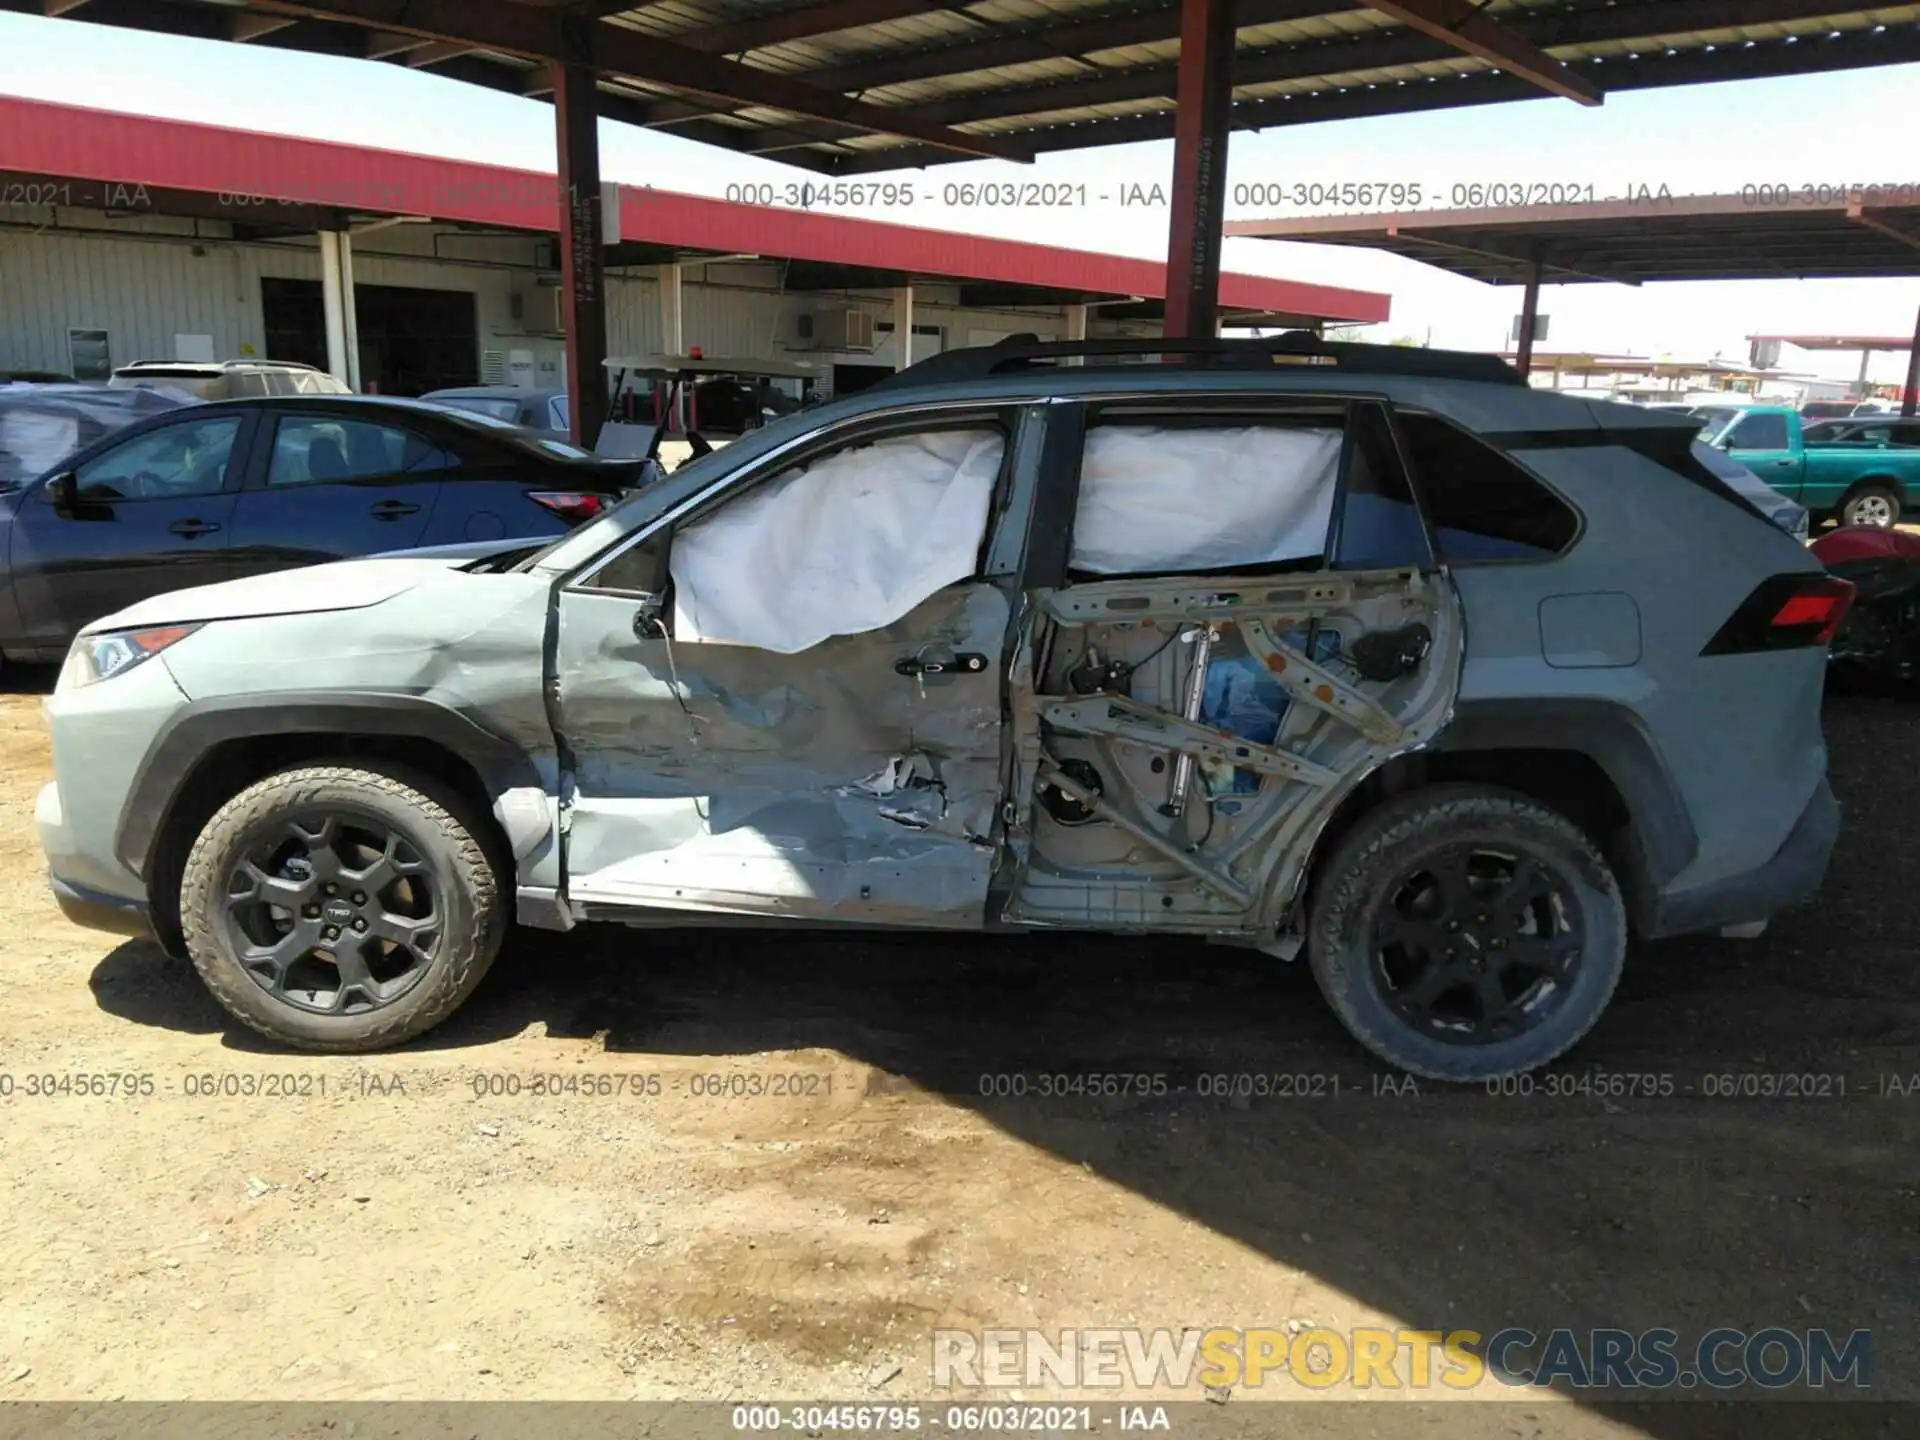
(181, 748)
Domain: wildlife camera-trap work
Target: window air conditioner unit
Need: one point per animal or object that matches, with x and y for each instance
(842, 330)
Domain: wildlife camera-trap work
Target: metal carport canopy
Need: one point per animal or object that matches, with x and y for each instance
(857, 86)
(852, 86)
(1765, 232)
(1820, 232)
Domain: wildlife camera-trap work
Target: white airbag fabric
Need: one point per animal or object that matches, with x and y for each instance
(1156, 501)
(845, 546)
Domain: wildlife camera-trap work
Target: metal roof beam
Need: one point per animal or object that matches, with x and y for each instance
(247, 27)
(1880, 223)
(1378, 50)
(1017, 47)
(434, 53)
(1521, 261)
(800, 23)
(1011, 45)
(537, 34)
(1652, 70)
(381, 44)
(1464, 26)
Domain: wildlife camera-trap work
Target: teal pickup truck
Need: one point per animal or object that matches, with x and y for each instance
(1865, 478)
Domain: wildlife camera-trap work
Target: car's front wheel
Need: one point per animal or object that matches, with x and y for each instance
(1464, 932)
(342, 908)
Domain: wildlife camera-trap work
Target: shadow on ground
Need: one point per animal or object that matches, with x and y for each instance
(1447, 1208)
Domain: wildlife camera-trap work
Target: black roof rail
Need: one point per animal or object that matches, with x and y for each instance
(1026, 352)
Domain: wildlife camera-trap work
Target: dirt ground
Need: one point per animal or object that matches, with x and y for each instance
(429, 1227)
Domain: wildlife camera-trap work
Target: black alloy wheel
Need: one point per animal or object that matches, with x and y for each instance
(333, 913)
(1475, 945)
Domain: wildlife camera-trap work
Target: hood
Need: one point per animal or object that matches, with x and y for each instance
(344, 585)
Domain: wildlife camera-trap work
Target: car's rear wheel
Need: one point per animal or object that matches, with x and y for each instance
(1463, 932)
(1876, 505)
(342, 908)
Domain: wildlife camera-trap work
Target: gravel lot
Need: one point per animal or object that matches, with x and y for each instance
(402, 1226)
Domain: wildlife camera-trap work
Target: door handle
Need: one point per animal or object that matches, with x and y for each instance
(391, 509)
(938, 661)
(192, 528)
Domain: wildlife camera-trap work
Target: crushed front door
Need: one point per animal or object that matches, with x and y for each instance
(859, 778)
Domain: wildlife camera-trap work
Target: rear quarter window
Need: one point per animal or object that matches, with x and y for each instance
(1481, 504)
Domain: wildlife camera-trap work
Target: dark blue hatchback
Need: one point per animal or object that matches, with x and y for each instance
(215, 492)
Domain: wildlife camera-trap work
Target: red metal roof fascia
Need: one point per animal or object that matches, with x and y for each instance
(48, 138)
(699, 223)
(45, 137)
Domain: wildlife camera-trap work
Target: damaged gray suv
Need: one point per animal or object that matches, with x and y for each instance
(1372, 655)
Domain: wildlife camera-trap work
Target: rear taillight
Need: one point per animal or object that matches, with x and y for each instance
(1784, 613)
(573, 506)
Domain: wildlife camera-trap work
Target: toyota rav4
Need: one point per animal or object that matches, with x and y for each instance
(1373, 655)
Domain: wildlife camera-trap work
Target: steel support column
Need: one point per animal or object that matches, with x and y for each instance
(582, 248)
(1911, 394)
(902, 326)
(673, 337)
(1530, 320)
(336, 306)
(1205, 98)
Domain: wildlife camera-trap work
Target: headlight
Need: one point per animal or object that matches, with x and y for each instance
(110, 652)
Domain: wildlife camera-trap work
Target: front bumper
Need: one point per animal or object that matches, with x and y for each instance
(96, 910)
(80, 902)
(101, 735)
(1791, 876)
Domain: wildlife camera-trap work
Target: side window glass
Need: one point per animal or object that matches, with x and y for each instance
(1379, 523)
(1760, 432)
(557, 413)
(638, 570)
(1482, 505)
(165, 464)
(324, 449)
(844, 544)
(1184, 499)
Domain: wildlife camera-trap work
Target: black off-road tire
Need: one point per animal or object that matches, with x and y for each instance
(1849, 512)
(1354, 882)
(440, 824)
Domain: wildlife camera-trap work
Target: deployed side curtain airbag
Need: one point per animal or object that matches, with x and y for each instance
(1160, 501)
(846, 545)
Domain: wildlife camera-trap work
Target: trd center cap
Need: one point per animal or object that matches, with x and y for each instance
(337, 912)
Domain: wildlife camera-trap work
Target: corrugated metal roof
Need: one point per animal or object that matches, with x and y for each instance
(1061, 74)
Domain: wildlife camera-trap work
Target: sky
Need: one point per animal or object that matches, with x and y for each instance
(1849, 128)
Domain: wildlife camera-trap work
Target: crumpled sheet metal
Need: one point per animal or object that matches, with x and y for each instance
(825, 777)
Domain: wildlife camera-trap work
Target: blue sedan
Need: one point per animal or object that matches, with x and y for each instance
(205, 493)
